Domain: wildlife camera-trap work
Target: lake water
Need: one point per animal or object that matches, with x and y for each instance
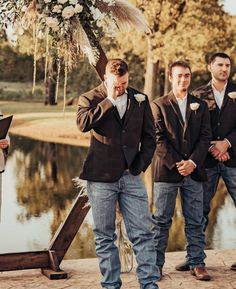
(38, 192)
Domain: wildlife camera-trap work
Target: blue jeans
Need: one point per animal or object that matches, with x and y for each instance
(228, 175)
(191, 193)
(131, 195)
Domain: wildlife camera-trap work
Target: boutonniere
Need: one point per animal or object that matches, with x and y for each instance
(232, 95)
(139, 97)
(194, 106)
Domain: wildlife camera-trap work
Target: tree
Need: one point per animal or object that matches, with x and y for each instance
(182, 29)
(70, 27)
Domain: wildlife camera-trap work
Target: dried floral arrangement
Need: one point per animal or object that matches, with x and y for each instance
(70, 28)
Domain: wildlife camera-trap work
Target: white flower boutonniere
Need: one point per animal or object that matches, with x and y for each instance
(139, 97)
(232, 95)
(194, 106)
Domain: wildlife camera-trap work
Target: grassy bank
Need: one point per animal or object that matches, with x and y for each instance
(46, 123)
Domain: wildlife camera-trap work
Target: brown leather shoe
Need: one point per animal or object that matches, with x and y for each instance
(233, 266)
(200, 273)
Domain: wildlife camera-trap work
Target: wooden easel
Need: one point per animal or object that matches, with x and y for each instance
(49, 260)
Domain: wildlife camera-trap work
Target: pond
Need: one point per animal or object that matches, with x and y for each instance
(38, 192)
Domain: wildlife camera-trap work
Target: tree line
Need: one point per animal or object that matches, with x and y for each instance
(179, 29)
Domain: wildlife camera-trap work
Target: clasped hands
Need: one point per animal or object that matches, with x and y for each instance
(4, 143)
(185, 167)
(219, 150)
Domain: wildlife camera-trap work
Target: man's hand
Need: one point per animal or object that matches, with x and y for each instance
(185, 168)
(4, 143)
(219, 150)
(221, 145)
(111, 89)
(223, 157)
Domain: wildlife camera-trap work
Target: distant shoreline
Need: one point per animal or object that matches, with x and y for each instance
(49, 127)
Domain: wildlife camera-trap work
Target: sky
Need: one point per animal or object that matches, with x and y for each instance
(230, 6)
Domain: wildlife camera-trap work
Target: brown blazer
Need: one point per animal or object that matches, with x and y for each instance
(116, 144)
(223, 121)
(177, 140)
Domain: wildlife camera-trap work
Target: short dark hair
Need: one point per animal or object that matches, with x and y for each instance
(117, 66)
(180, 63)
(212, 57)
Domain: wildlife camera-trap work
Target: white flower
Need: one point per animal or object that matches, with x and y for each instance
(139, 97)
(47, 1)
(232, 95)
(194, 106)
(57, 9)
(78, 8)
(68, 12)
(97, 14)
(24, 8)
(52, 23)
(109, 2)
(73, 2)
(62, 1)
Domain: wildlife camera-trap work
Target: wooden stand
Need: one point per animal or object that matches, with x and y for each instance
(49, 260)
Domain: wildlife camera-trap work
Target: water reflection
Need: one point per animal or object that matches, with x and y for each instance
(38, 193)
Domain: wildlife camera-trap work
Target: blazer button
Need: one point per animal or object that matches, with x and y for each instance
(218, 137)
(124, 146)
(185, 155)
(218, 123)
(123, 131)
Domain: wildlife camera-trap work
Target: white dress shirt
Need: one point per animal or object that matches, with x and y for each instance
(120, 103)
(219, 95)
(182, 102)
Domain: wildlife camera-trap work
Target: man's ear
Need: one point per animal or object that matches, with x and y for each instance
(170, 78)
(209, 67)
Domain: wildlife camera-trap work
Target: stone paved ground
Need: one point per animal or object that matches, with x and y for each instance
(84, 274)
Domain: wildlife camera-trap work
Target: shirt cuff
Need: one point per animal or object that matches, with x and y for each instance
(193, 163)
(228, 142)
(112, 100)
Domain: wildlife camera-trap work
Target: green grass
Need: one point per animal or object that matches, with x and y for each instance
(18, 107)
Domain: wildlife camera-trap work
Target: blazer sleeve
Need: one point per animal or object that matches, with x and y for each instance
(148, 139)
(202, 146)
(91, 113)
(231, 137)
(163, 149)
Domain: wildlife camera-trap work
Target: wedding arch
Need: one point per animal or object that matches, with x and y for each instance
(68, 29)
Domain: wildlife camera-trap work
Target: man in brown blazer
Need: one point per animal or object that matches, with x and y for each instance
(183, 138)
(220, 96)
(121, 124)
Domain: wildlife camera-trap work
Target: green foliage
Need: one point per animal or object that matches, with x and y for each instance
(15, 66)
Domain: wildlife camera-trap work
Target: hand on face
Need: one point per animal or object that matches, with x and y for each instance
(116, 85)
(4, 143)
(185, 168)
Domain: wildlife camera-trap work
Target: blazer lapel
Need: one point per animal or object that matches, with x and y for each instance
(210, 98)
(175, 106)
(226, 97)
(130, 105)
(188, 112)
(116, 113)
